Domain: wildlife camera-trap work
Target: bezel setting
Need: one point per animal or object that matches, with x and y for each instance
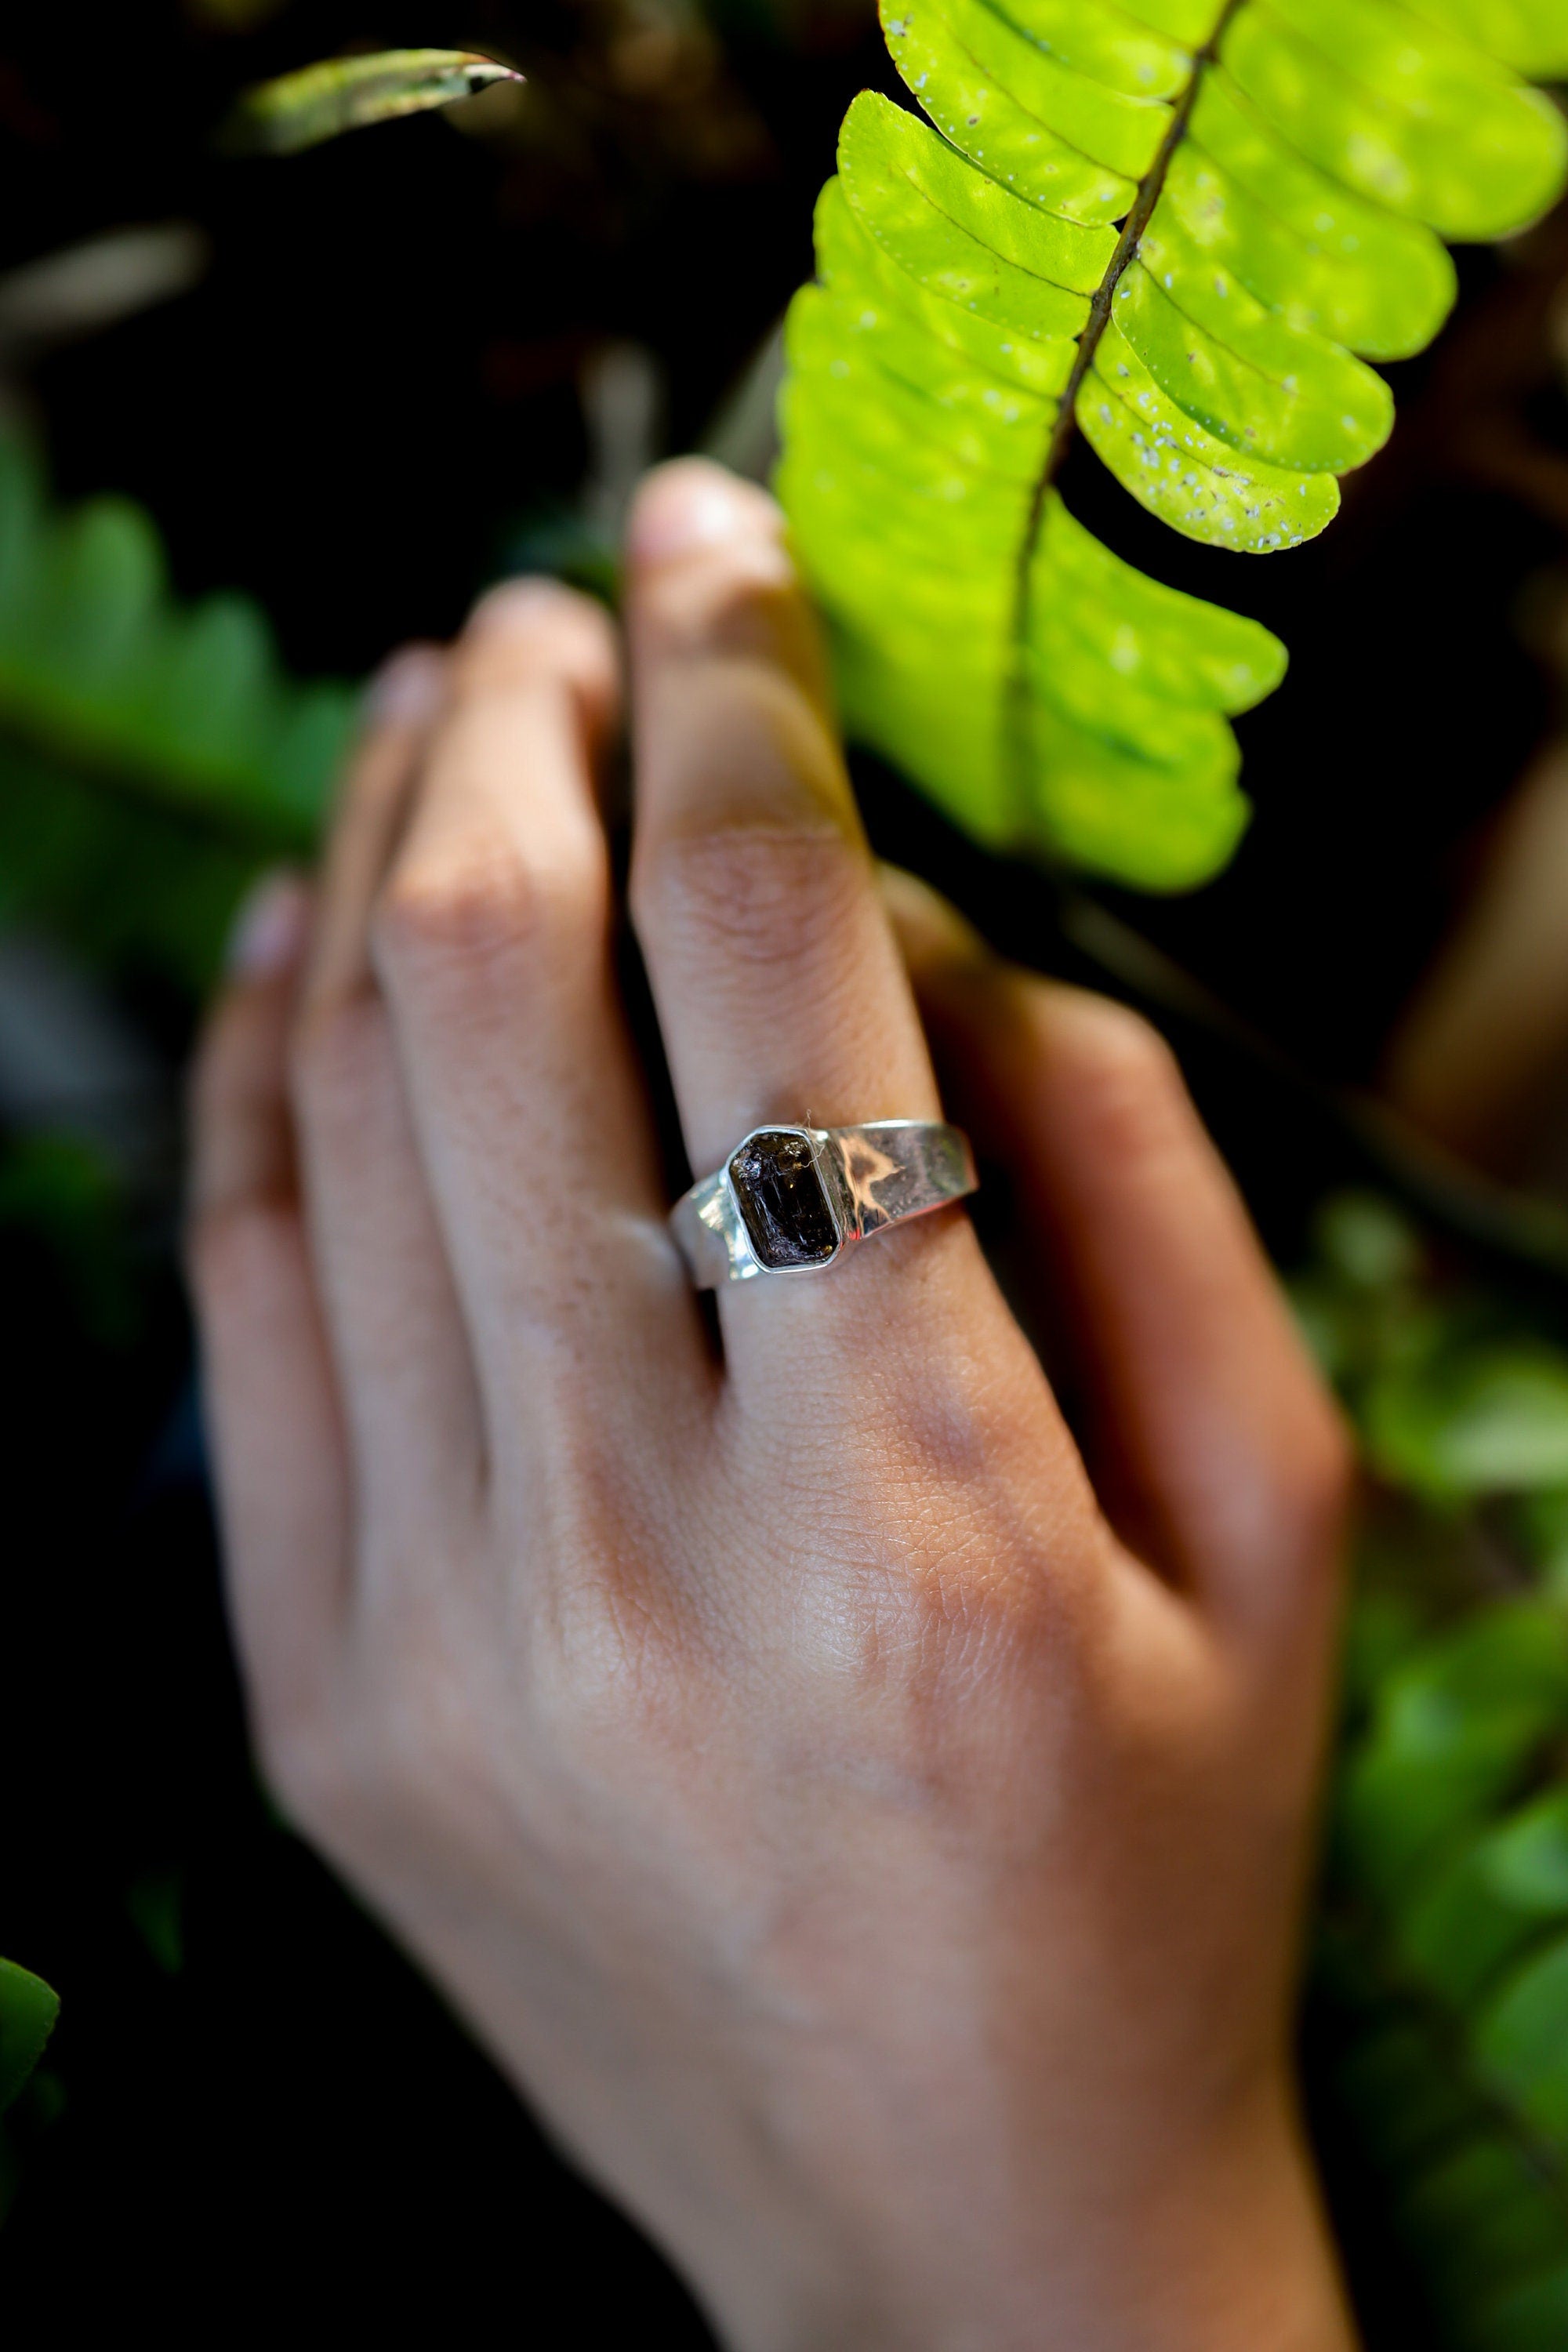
(813, 1220)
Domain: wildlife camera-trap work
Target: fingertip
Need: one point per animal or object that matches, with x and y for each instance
(691, 506)
(1095, 1035)
(534, 628)
(709, 578)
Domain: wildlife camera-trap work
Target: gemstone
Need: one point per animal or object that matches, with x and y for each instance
(782, 1202)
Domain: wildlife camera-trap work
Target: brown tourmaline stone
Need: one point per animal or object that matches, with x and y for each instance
(781, 1198)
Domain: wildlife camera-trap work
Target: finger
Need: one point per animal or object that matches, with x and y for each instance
(400, 712)
(779, 989)
(778, 985)
(270, 1401)
(404, 1364)
(493, 939)
(1210, 1415)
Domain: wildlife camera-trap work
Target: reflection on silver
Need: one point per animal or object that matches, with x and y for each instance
(871, 1177)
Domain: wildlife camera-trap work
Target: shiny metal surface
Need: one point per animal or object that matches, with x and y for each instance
(876, 1175)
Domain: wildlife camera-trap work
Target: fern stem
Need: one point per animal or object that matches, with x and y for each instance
(1065, 426)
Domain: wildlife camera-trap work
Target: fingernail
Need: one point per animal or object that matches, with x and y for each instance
(406, 689)
(269, 932)
(685, 510)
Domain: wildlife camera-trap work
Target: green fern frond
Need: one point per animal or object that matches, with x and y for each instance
(1181, 229)
(151, 752)
(102, 670)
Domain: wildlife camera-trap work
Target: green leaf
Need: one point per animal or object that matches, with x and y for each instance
(1482, 2216)
(1529, 2318)
(1526, 1863)
(1521, 2042)
(1455, 1727)
(151, 752)
(1180, 229)
(1490, 1419)
(1368, 1242)
(28, 2007)
(1532, 36)
(322, 101)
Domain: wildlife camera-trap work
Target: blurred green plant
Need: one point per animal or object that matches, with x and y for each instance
(1442, 1947)
(152, 752)
(28, 2007)
(1169, 226)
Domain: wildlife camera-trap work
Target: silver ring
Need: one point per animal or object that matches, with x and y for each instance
(792, 1199)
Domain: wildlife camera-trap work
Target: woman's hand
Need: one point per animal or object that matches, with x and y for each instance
(875, 1841)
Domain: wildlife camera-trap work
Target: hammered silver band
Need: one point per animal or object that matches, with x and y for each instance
(838, 1186)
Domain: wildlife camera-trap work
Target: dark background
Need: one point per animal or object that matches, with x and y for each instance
(370, 404)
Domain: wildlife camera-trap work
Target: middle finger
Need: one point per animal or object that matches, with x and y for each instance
(780, 992)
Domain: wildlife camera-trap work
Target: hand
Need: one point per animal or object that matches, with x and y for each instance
(876, 1846)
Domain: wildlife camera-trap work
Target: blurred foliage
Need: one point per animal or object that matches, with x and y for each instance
(29, 2009)
(1442, 1951)
(152, 753)
(70, 1203)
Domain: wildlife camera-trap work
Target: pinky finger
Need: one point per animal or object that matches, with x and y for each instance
(271, 1407)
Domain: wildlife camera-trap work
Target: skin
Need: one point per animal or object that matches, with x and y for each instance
(873, 1838)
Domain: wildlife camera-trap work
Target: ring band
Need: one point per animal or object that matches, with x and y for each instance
(792, 1199)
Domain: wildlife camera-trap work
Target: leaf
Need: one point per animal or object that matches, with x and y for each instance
(322, 101)
(1529, 2318)
(1523, 2042)
(1482, 2216)
(28, 2007)
(1456, 1726)
(185, 705)
(1490, 1419)
(152, 753)
(1180, 228)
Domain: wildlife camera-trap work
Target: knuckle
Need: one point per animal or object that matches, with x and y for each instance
(456, 925)
(1126, 1081)
(1122, 1062)
(301, 1763)
(756, 897)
